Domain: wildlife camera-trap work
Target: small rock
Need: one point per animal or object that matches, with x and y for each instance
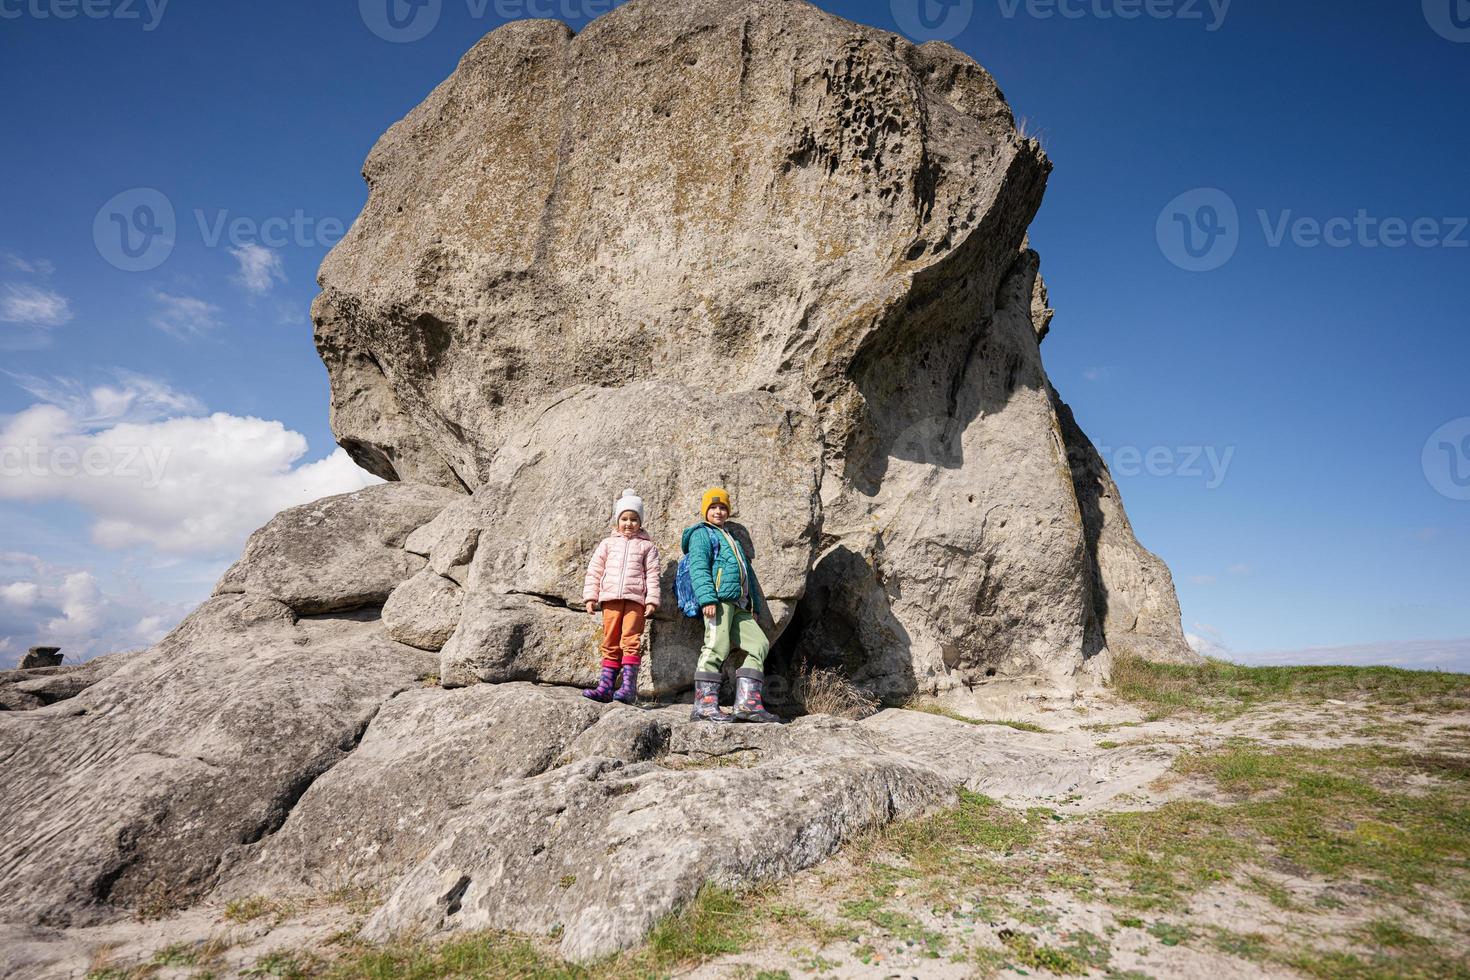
(41, 657)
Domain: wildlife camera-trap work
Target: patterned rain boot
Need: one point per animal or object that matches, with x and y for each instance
(748, 706)
(707, 702)
(604, 690)
(627, 692)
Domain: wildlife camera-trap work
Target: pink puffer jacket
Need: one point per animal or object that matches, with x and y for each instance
(623, 568)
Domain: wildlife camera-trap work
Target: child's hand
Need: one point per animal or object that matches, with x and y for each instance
(648, 609)
(591, 606)
(709, 612)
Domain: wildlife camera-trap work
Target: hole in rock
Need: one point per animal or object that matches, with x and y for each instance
(455, 895)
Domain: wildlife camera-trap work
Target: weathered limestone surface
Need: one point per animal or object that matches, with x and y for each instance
(734, 242)
(734, 198)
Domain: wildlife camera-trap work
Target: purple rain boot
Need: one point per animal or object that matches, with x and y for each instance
(627, 692)
(604, 690)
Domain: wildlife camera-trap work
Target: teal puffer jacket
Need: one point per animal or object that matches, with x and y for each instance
(717, 579)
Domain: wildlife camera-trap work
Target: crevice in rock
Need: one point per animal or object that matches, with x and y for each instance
(455, 895)
(547, 599)
(367, 612)
(286, 801)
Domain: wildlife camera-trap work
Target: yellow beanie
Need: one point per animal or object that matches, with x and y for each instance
(714, 495)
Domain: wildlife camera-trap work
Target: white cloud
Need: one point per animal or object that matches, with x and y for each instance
(192, 485)
(1095, 373)
(1202, 580)
(129, 398)
(184, 316)
(34, 306)
(35, 267)
(76, 611)
(20, 594)
(81, 604)
(1239, 569)
(151, 629)
(260, 268)
(1207, 642)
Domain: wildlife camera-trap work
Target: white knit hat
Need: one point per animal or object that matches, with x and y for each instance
(629, 501)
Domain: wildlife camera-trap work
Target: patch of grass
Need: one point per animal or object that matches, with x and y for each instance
(1170, 934)
(904, 929)
(1225, 689)
(290, 965)
(1330, 815)
(1246, 946)
(977, 822)
(1424, 964)
(1087, 948)
(736, 759)
(1026, 951)
(483, 954)
(256, 907)
(933, 708)
(715, 923)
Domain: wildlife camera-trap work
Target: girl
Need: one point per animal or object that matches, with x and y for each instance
(728, 594)
(623, 576)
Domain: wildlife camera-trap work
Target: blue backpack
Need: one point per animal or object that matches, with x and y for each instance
(684, 584)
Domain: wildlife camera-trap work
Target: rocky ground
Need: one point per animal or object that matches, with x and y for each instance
(1236, 823)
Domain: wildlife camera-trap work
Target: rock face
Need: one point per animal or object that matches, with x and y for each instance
(523, 539)
(733, 199)
(742, 243)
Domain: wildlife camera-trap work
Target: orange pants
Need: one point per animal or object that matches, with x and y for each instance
(622, 631)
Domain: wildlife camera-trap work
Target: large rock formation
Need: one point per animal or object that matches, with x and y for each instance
(734, 198)
(739, 242)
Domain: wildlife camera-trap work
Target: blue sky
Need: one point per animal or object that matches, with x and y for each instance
(1290, 426)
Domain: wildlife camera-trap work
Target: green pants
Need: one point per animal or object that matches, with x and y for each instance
(732, 627)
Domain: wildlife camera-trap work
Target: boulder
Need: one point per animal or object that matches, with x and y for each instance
(738, 200)
(338, 553)
(40, 657)
(424, 611)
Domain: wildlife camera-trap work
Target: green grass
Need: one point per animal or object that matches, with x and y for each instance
(1225, 689)
(257, 907)
(1333, 813)
(932, 708)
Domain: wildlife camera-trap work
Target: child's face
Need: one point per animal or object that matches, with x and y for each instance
(717, 513)
(628, 523)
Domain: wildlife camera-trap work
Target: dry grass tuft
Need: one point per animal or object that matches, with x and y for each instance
(824, 691)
